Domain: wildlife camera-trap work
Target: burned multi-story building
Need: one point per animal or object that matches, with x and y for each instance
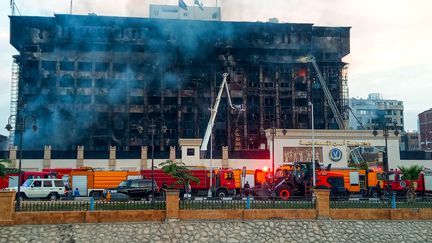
(98, 81)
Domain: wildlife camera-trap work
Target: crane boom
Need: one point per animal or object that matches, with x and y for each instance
(356, 118)
(214, 109)
(331, 102)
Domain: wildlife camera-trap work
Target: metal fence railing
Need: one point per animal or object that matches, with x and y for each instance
(397, 202)
(359, 203)
(416, 203)
(34, 206)
(244, 203)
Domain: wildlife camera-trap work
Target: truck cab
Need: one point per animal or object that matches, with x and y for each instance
(225, 183)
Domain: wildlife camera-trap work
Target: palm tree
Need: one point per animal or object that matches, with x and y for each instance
(411, 173)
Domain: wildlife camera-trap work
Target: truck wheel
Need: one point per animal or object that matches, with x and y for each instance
(374, 193)
(53, 196)
(285, 193)
(21, 196)
(221, 193)
(96, 195)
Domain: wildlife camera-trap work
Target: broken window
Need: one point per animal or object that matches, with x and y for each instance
(99, 83)
(67, 66)
(101, 66)
(66, 81)
(119, 67)
(85, 66)
(49, 65)
(84, 83)
(83, 99)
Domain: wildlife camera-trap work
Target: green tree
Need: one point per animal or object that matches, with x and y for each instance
(4, 169)
(178, 171)
(361, 166)
(411, 173)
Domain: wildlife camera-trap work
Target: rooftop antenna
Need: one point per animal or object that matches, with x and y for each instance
(13, 6)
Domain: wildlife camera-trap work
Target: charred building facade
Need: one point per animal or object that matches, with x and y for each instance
(98, 81)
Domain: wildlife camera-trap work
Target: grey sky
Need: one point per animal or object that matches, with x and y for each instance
(390, 39)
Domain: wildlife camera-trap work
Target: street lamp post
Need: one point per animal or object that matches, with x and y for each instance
(21, 128)
(386, 129)
(152, 124)
(273, 132)
(210, 192)
(313, 146)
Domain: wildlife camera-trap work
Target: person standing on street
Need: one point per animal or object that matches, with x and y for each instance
(246, 188)
(76, 192)
(188, 189)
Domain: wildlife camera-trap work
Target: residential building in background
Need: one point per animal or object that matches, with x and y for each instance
(3, 142)
(99, 81)
(374, 112)
(410, 141)
(425, 127)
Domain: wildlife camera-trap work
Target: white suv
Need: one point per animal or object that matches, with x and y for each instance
(52, 189)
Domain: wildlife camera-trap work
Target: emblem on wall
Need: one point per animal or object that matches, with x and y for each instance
(335, 154)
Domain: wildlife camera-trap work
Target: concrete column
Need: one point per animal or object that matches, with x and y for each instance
(172, 153)
(80, 156)
(47, 157)
(143, 157)
(112, 158)
(7, 207)
(172, 205)
(225, 163)
(13, 156)
(322, 203)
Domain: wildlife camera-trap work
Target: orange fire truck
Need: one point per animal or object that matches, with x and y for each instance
(365, 182)
(92, 182)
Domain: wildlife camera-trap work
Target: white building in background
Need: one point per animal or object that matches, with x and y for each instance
(374, 112)
(192, 12)
(331, 146)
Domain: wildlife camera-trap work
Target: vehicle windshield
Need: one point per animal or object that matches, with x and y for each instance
(27, 183)
(123, 184)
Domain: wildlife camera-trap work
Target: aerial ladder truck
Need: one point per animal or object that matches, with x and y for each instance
(213, 113)
(214, 110)
(336, 114)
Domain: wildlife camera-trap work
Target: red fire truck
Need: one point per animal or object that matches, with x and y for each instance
(223, 182)
(11, 179)
(397, 182)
